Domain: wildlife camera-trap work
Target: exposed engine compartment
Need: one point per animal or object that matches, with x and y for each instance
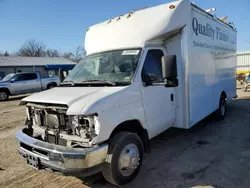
(53, 125)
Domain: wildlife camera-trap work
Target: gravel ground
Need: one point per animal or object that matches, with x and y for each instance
(211, 154)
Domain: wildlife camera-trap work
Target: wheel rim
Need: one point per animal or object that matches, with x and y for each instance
(129, 160)
(223, 108)
(3, 96)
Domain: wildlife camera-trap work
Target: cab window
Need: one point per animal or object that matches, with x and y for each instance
(152, 66)
(29, 76)
(18, 78)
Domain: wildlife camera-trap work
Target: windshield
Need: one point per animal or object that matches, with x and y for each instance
(8, 77)
(117, 67)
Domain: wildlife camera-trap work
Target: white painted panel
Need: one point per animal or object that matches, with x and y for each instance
(212, 63)
(174, 48)
(138, 29)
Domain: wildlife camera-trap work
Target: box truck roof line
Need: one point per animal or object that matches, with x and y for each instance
(139, 29)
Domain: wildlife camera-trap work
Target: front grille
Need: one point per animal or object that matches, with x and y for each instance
(29, 148)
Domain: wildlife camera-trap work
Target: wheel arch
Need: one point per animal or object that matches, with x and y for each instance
(224, 94)
(136, 127)
(51, 84)
(5, 89)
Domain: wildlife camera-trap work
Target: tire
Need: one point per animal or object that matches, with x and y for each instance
(51, 86)
(220, 114)
(4, 95)
(122, 145)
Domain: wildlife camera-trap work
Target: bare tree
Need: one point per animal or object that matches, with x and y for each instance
(77, 56)
(80, 53)
(6, 54)
(52, 53)
(33, 49)
(68, 55)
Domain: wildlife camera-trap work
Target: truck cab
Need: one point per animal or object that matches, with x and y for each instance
(130, 87)
(23, 83)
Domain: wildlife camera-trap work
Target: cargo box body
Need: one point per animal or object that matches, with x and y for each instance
(208, 55)
(205, 47)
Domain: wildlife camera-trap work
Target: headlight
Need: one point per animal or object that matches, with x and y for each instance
(86, 121)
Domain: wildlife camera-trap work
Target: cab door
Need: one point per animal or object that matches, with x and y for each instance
(25, 83)
(18, 85)
(33, 82)
(158, 100)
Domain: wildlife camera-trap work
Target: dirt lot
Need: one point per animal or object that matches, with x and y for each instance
(214, 154)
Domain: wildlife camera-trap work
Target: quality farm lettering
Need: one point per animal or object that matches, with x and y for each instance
(209, 31)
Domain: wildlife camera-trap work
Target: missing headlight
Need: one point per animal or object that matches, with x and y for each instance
(85, 127)
(84, 121)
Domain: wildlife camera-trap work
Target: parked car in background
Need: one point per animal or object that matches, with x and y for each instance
(23, 83)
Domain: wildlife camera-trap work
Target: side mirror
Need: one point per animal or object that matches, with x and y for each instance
(61, 75)
(169, 70)
(12, 80)
(147, 81)
(169, 67)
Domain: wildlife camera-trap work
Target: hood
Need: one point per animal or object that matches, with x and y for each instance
(75, 97)
(3, 83)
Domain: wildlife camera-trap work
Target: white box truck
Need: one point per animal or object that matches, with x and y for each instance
(146, 71)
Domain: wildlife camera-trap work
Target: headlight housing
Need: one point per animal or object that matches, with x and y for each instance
(28, 113)
(86, 127)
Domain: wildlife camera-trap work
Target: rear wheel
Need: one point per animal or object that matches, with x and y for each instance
(4, 95)
(124, 158)
(222, 111)
(50, 86)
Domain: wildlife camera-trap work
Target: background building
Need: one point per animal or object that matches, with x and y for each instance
(243, 62)
(47, 67)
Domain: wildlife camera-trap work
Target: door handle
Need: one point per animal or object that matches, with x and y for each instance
(172, 97)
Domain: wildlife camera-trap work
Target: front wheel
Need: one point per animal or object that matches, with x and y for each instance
(124, 158)
(4, 96)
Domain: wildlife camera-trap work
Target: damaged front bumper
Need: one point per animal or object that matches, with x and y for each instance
(42, 155)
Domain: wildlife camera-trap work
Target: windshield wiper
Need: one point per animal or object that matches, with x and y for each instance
(68, 83)
(98, 82)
